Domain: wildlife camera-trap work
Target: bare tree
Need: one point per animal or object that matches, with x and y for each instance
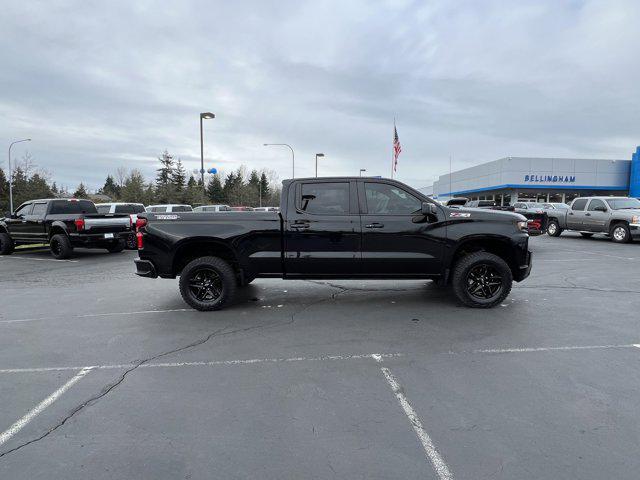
(121, 175)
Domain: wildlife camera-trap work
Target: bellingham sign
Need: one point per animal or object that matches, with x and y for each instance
(550, 179)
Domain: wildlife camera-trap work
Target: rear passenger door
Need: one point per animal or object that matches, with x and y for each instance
(397, 239)
(35, 222)
(322, 229)
(576, 214)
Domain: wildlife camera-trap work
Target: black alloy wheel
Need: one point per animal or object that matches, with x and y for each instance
(484, 282)
(208, 283)
(205, 285)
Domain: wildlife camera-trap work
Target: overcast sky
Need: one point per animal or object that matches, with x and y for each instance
(99, 85)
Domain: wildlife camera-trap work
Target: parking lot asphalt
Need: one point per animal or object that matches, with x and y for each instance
(107, 375)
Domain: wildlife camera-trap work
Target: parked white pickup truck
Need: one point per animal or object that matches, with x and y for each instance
(617, 217)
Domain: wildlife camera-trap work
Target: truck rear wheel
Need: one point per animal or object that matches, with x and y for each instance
(207, 283)
(60, 246)
(481, 280)
(6, 244)
(553, 228)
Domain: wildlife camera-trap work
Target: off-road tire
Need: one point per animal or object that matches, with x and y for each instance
(190, 281)
(553, 228)
(60, 246)
(469, 264)
(620, 233)
(6, 244)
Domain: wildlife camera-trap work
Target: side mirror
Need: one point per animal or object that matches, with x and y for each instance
(13, 216)
(429, 209)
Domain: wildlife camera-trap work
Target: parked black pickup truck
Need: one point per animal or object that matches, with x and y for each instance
(63, 224)
(346, 228)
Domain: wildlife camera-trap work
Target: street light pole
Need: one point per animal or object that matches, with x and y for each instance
(362, 170)
(318, 155)
(293, 155)
(208, 116)
(11, 174)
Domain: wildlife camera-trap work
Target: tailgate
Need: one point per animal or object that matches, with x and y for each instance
(107, 223)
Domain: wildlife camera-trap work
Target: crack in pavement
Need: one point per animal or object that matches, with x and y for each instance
(135, 365)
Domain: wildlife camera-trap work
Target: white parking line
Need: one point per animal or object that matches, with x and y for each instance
(585, 252)
(438, 463)
(40, 259)
(91, 315)
(19, 425)
(203, 364)
(548, 349)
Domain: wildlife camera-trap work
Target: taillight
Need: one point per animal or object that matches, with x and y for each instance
(140, 240)
(79, 224)
(140, 222)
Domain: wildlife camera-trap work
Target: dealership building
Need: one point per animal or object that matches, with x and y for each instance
(510, 179)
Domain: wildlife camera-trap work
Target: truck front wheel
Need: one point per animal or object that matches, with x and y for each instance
(481, 280)
(553, 229)
(6, 244)
(620, 233)
(207, 283)
(60, 246)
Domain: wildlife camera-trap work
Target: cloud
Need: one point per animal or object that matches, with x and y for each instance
(100, 85)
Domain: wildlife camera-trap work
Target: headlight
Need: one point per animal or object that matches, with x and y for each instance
(635, 219)
(522, 226)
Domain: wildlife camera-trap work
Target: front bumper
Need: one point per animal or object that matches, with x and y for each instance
(525, 269)
(145, 268)
(634, 229)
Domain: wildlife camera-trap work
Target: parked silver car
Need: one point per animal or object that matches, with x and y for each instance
(618, 217)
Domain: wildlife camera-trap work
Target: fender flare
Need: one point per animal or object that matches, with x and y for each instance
(55, 227)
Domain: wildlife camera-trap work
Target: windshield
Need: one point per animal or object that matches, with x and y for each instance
(623, 203)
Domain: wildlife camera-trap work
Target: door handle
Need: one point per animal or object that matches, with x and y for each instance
(299, 225)
(570, 213)
(587, 214)
(374, 225)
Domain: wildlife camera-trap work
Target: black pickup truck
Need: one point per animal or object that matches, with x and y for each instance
(63, 224)
(339, 228)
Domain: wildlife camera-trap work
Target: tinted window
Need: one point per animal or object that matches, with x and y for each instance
(182, 208)
(39, 209)
(61, 207)
(520, 205)
(579, 204)
(103, 209)
(596, 203)
(622, 203)
(325, 198)
(125, 209)
(157, 209)
(24, 210)
(386, 199)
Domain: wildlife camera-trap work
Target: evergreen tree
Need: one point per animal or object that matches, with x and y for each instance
(133, 189)
(194, 194)
(54, 189)
(38, 187)
(110, 188)
(264, 186)
(80, 192)
(253, 194)
(149, 197)
(4, 193)
(165, 191)
(228, 189)
(179, 178)
(215, 192)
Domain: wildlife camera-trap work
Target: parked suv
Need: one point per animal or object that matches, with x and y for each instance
(618, 217)
(213, 208)
(169, 208)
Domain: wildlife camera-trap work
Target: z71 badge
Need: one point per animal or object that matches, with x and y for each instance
(459, 214)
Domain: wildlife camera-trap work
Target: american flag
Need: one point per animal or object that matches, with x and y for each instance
(397, 148)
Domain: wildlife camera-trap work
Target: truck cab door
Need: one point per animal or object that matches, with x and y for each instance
(18, 226)
(576, 214)
(35, 222)
(397, 239)
(322, 229)
(596, 216)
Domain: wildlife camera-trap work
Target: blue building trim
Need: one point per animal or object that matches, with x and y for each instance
(634, 177)
(617, 188)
